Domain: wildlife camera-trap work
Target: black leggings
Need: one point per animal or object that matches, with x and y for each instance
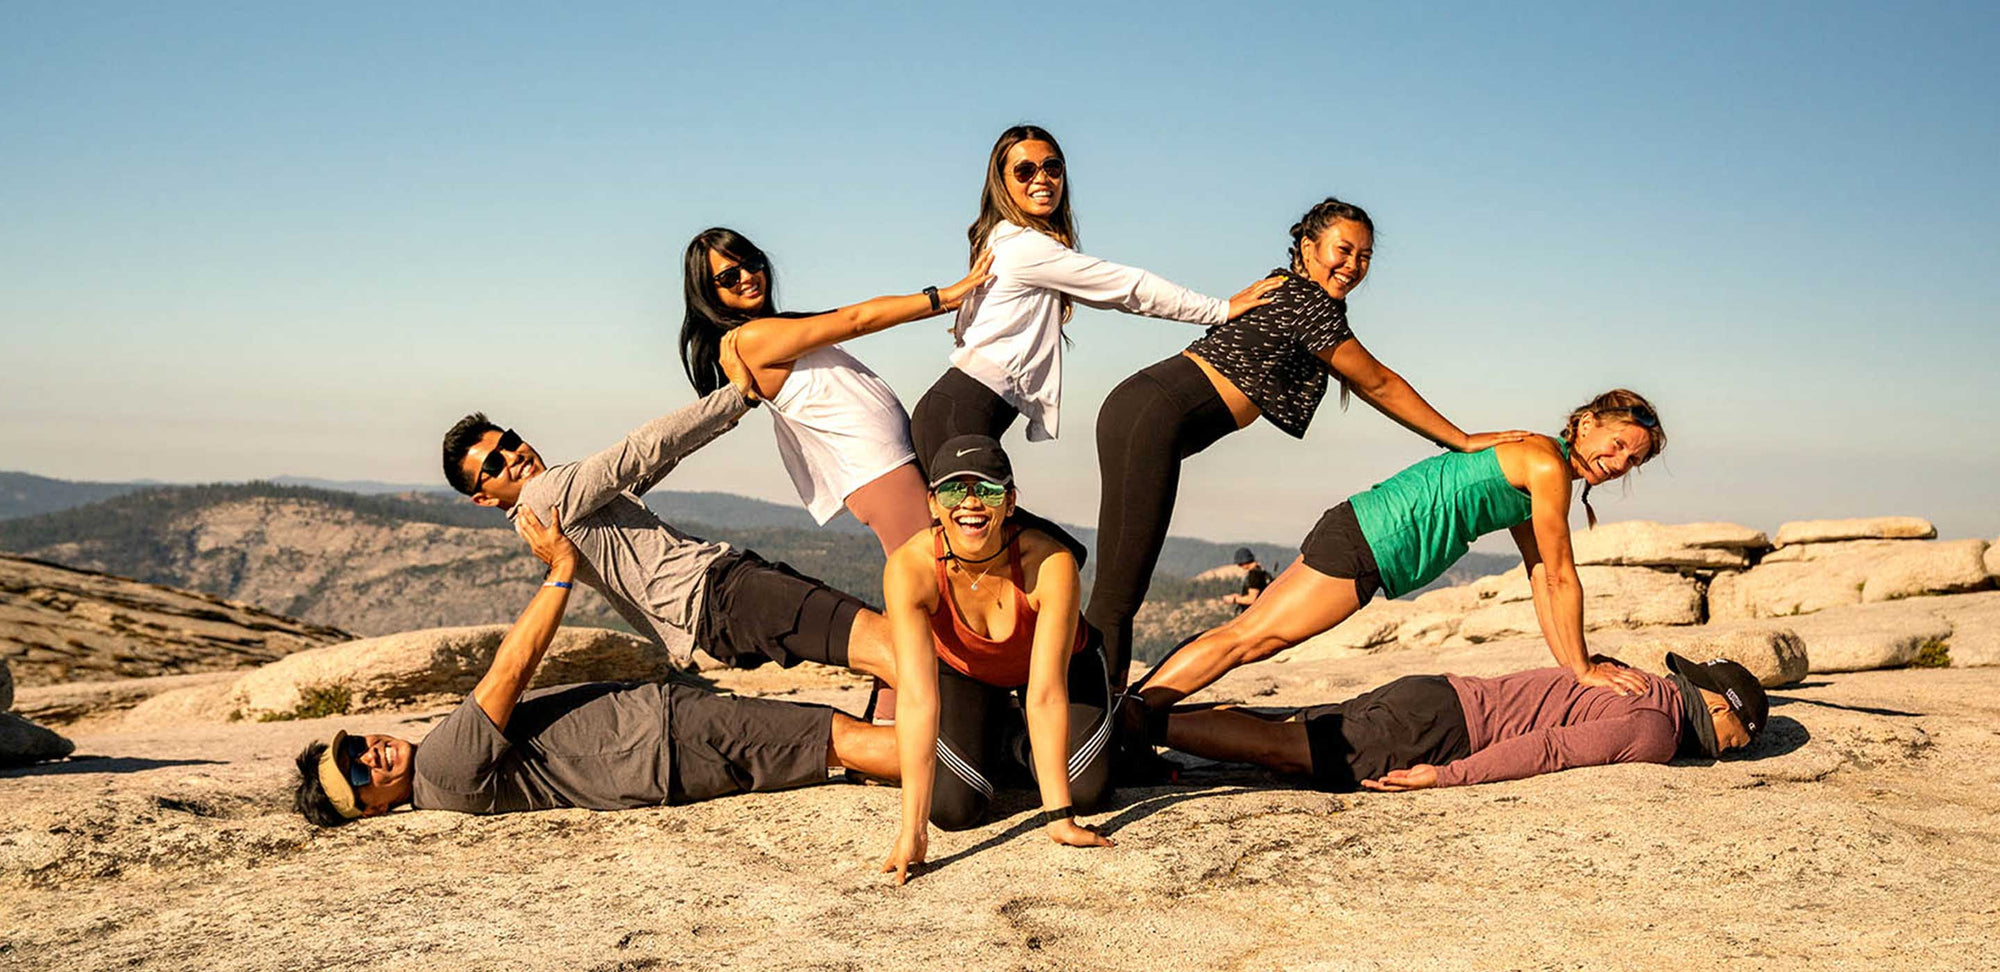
(957, 404)
(1152, 421)
(982, 734)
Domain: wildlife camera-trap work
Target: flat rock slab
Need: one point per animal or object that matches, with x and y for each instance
(1613, 597)
(1771, 651)
(1859, 573)
(1645, 543)
(1842, 844)
(1862, 528)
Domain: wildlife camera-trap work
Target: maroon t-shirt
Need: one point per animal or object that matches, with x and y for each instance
(1542, 721)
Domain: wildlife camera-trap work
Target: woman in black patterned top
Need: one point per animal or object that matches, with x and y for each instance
(1271, 361)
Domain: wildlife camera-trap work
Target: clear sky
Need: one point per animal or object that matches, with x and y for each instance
(243, 240)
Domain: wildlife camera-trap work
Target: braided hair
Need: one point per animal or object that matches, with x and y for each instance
(1619, 402)
(1309, 227)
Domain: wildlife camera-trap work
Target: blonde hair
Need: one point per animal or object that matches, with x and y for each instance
(1628, 404)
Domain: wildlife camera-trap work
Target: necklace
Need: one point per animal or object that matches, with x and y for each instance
(963, 564)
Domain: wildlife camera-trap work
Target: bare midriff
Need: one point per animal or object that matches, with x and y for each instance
(1241, 408)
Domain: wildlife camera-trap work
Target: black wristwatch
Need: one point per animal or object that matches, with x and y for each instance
(936, 304)
(1058, 814)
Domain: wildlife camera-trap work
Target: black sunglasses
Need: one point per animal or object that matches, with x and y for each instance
(1024, 172)
(496, 459)
(354, 747)
(729, 277)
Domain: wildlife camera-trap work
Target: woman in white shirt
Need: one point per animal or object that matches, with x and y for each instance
(1008, 362)
(840, 429)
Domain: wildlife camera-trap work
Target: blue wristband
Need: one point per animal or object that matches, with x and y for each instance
(562, 584)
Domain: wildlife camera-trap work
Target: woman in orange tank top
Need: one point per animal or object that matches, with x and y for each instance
(980, 610)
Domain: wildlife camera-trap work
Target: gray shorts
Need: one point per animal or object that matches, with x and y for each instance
(725, 744)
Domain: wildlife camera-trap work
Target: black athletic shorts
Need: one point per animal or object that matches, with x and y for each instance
(757, 611)
(1336, 548)
(1414, 719)
(725, 744)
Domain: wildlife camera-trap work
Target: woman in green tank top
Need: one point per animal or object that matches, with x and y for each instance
(1407, 530)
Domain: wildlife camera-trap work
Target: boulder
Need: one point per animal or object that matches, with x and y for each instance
(1975, 626)
(1800, 553)
(1644, 543)
(1865, 528)
(1613, 597)
(1366, 630)
(1993, 559)
(22, 743)
(1862, 572)
(1947, 566)
(1869, 636)
(1447, 600)
(1771, 651)
(436, 666)
(1511, 585)
(6, 686)
(1426, 629)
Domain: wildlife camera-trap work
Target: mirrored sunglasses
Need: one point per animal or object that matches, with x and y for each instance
(950, 494)
(354, 747)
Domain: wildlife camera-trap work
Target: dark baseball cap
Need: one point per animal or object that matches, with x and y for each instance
(971, 455)
(1740, 689)
(1244, 556)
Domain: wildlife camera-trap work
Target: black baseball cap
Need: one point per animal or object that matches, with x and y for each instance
(1244, 556)
(971, 455)
(1740, 689)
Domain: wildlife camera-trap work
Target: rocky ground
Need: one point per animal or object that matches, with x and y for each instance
(1863, 835)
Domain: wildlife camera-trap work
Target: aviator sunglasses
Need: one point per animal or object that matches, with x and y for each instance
(953, 493)
(1024, 172)
(496, 460)
(354, 747)
(728, 277)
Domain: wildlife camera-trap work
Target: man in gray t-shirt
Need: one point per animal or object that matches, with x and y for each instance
(677, 589)
(601, 746)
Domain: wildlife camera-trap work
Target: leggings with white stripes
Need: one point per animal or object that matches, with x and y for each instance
(983, 742)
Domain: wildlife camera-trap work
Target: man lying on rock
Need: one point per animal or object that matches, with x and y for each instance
(1449, 730)
(600, 746)
(679, 590)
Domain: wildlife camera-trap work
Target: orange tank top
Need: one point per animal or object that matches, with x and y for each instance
(1003, 664)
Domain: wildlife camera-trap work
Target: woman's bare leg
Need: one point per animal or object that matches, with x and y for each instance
(1301, 603)
(893, 505)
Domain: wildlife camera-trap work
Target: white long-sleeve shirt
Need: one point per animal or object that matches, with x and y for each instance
(1009, 331)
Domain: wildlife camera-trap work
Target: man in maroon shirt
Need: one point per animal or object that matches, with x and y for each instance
(1449, 730)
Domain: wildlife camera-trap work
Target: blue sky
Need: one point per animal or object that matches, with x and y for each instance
(244, 240)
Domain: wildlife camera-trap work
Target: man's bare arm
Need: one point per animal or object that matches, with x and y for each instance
(520, 652)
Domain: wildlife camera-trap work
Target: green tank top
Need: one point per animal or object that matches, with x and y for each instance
(1421, 520)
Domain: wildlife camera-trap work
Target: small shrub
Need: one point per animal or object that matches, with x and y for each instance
(315, 702)
(1933, 653)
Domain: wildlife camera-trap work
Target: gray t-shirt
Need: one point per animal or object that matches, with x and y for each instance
(654, 575)
(598, 745)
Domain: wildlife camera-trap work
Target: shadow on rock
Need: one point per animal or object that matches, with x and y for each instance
(102, 764)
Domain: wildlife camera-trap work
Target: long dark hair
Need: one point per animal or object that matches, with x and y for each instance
(995, 204)
(708, 318)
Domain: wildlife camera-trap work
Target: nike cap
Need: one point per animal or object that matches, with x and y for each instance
(971, 455)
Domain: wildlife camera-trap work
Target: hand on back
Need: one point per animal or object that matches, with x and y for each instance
(548, 542)
(1254, 296)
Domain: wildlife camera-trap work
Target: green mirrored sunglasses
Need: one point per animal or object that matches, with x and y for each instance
(950, 494)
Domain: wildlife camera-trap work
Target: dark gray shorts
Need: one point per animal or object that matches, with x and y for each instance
(757, 611)
(1414, 719)
(725, 744)
(1336, 548)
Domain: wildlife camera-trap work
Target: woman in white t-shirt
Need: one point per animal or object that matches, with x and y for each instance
(1008, 362)
(843, 434)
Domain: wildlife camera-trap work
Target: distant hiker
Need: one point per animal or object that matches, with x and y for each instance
(1255, 579)
(1449, 730)
(996, 602)
(1407, 530)
(677, 589)
(843, 435)
(1008, 362)
(599, 746)
(1272, 361)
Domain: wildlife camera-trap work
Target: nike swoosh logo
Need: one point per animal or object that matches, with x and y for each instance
(965, 452)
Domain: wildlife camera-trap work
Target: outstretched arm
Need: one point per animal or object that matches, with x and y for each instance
(1039, 261)
(1381, 387)
(641, 459)
(768, 345)
(520, 652)
(1047, 706)
(906, 593)
(1551, 566)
